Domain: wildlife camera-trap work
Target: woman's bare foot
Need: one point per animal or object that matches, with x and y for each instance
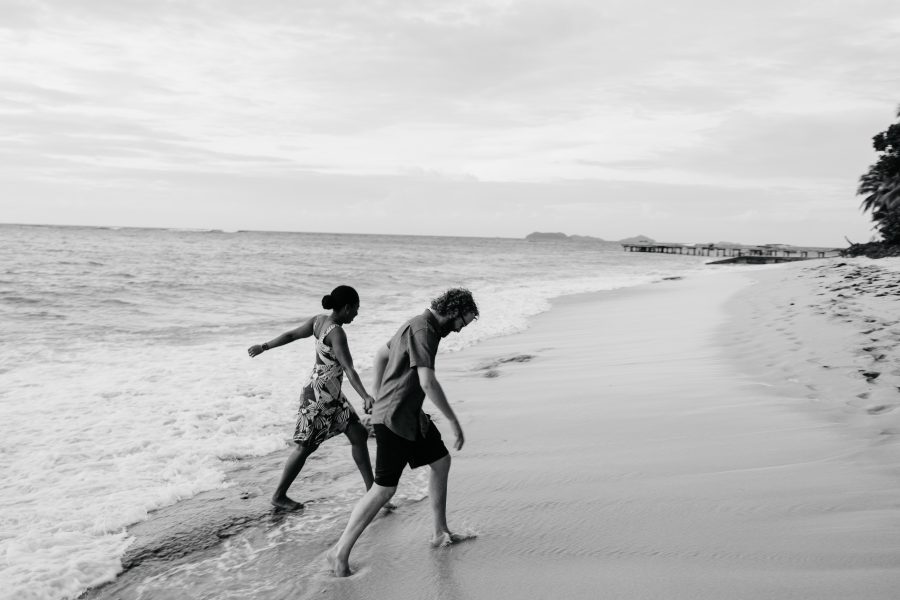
(285, 503)
(340, 568)
(445, 538)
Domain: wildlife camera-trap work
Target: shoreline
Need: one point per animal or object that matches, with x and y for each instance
(171, 534)
(522, 366)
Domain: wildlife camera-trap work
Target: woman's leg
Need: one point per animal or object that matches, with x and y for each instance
(291, 469)
(358, 436)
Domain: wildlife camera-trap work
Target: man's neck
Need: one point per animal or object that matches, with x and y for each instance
(440, 318)
(444, 322)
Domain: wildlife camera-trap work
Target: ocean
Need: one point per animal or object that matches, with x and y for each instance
(125, 384)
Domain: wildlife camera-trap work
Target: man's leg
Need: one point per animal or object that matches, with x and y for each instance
(363, 513)
(291, 469)
(437, 490)
(358, 437)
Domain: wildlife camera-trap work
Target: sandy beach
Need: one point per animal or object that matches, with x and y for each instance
(730, 435)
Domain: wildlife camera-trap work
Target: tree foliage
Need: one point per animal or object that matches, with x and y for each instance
(881, 185)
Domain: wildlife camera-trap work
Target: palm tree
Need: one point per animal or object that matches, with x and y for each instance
(883, 192)
(881, 185)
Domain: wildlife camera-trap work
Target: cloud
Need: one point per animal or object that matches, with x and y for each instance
(392, 102)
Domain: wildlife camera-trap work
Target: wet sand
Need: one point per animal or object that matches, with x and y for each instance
(633, 455)
(702, 438)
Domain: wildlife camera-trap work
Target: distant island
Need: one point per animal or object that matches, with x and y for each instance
(540, 236)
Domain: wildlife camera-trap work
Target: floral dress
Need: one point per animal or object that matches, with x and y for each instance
(324, 410)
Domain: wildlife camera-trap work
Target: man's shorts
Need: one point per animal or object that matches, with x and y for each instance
(395, 452)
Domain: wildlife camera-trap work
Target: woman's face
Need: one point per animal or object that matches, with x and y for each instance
(349, 312)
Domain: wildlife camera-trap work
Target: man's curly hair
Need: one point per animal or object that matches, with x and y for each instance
(455, 302)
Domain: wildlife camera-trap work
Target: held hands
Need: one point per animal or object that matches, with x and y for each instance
(368, 403)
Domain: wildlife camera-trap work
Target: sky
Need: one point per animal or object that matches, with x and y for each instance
(686, 121)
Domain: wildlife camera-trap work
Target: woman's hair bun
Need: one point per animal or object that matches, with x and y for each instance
(340, 297)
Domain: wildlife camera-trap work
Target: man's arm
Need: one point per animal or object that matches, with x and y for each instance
(435, 392)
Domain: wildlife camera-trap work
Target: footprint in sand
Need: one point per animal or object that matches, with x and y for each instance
(490, 369)
(870, 375)
(881, 408)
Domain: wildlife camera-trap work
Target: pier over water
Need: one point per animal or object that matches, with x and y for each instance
(768, 253)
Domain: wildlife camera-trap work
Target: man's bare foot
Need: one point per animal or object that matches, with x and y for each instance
(285, 503)
(338, 567)
(445, 538)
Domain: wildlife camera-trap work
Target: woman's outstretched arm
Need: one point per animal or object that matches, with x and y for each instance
(304, 331)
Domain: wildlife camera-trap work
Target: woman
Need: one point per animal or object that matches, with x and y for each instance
(324, 410)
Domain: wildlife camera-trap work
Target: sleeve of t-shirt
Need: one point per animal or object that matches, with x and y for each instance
(420, 354)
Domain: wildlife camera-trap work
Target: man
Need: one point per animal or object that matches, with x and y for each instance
(404, 375)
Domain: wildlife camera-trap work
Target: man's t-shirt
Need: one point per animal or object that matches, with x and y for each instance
(400, 397)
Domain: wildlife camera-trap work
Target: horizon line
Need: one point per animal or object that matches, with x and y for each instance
(497, 237)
